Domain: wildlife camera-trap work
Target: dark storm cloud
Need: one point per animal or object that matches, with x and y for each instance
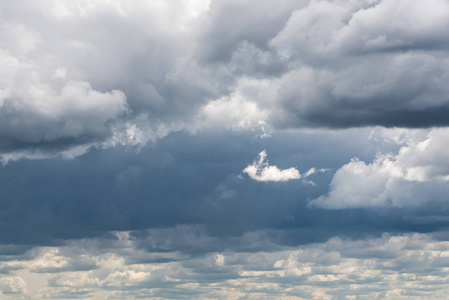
(345, 63)
(112, 73)
(76, 76)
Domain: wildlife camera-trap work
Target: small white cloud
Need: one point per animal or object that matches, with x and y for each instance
(261, 171)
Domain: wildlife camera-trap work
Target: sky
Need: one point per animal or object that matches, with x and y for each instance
(224, 149)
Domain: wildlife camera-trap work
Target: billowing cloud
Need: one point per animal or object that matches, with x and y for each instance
(365, 63)
(238, 111)
(416, 175)
(12, 285)
(344, 63)
(78, 76)
(260, 170)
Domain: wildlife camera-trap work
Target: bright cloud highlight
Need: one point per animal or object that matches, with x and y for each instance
(416, 175)
(260, 170)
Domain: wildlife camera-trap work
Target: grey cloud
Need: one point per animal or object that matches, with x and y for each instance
(230, 25)
(95, 75)
(358, 65)
(355, 63)
(387, 91)
(316, 63)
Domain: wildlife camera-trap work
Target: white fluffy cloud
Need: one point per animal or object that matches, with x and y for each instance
(239, 111)
(260, 170)
(416, 175)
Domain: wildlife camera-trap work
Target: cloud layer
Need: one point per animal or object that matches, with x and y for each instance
(158, 109)
(342, 63)
(409, 266)
(77, 76)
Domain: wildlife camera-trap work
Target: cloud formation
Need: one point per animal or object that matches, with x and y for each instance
(77, 76)
(261, 171)
(207, 84)
(365, 63)
(346, 63)
(415, 176)
(405, 266)
(110, 73)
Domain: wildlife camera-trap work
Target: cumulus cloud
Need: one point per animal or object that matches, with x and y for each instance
(261, 171)
(12, 285)
(89, 75)
(127, 73)
(390, 266)
(238, 111)
(344, 63)
(356, 64)
(416, 175)
(321, 63)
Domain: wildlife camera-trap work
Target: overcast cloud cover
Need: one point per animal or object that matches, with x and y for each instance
(224, 149)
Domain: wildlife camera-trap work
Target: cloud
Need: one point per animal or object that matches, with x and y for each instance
(340, 63)
(39, 115)
(72, 80)
(339, 81)
(390, 266)
(194, 85)
(78, 76)
(415, 176)
(238, 111)
(353, 63)
(12, 285)
(159, 181)
(261, 171)
(228, 31)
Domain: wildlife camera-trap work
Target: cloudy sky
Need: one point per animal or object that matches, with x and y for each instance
(224, 149)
